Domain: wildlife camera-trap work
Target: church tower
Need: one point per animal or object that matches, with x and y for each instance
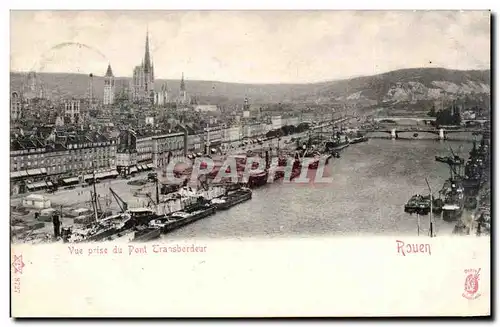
(143, 77)
(109, 87)
(182, 93)
(149, 78)
(161, 98)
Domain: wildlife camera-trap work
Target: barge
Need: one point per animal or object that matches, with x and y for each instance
(230, 200)
(182, 218)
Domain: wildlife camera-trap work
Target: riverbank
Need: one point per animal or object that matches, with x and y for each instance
(370, 183)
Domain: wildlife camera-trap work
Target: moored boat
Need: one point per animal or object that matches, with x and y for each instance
(418, 204)
(232, 199)
(102, 229)
(146, 233)
(453, 200)
(452, 212)
(182, 218)
(358, 140)
(257, 178)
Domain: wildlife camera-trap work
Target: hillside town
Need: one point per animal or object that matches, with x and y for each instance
(53, 141)
(118, 141)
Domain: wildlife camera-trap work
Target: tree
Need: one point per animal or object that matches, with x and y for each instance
(432, 112)
(456, 118)
(445, 117)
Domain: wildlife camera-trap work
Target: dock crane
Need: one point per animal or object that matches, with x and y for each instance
(96, 205)
(457, 161)
(122, 204)
(151, 201)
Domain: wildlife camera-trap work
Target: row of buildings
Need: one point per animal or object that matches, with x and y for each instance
(53, 155)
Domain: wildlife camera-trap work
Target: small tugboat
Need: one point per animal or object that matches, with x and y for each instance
(257, 178)
(450, 160)
(165, 224)
(358, 139)
(442, 159)
(418, 204)
(232, 199)
(146, 233)
(421, 204)
(338, 143)
(336, 146)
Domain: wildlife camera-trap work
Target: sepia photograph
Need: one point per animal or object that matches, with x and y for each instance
(153, 134)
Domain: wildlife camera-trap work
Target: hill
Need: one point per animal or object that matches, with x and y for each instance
(405, 86)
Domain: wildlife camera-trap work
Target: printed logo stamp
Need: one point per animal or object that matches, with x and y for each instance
(18, 264)
(471, 286)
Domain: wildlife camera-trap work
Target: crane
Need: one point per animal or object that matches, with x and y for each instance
(151, 201)
(453, 164)
(122, 204)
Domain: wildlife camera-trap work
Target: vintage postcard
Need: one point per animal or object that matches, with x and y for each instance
(250, 163)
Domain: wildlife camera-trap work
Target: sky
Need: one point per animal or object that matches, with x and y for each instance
(249, 46)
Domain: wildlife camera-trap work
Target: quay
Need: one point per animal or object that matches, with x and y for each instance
(71, 204)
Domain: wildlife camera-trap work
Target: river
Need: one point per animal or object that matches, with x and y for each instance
(371, 183)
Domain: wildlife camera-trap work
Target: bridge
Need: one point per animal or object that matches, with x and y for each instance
(423, 119)
(441, 132)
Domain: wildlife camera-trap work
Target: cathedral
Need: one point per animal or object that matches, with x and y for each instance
(32, 87)
(143, 80)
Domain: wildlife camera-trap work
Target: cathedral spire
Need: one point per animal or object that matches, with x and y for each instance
(109, 72)
(147, 59)
(183, 86)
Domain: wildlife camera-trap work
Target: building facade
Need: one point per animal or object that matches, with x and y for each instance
(16, 106)
(253, 130)
(276, 122)
(72, 110)
(145, 150)
(195, 143)
(35, 161)
(167, 145)
(213, 136)
(231, 134)
(126, 153)
(291, 121)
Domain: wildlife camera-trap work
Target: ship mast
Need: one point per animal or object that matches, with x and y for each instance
(157, 194)
(94, 197)
(431, 218)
